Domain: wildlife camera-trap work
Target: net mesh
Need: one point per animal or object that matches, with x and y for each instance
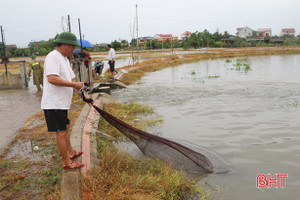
(157, 147)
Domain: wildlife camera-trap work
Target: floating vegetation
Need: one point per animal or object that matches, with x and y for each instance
(242, 60)
(294, 104)
(214, 76)
(247, 67)
(193, 73)
(241, 65)
(228, 60)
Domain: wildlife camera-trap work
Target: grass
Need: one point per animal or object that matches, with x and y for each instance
(120, 176)
(129, 113)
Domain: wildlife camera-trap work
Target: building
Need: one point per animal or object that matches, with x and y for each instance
(264, 32)
(186, 35)
(10, 46)
(244, 32)
(290, 32)
(164, 38)
(143, 40)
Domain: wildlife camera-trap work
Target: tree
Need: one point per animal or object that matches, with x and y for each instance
(116, 45)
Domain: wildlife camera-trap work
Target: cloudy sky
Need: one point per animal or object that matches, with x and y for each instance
(104, 21)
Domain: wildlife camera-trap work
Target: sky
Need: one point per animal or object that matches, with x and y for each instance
(102, 21)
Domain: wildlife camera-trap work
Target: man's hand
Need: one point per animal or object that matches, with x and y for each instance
(87, 99)
(79, 85)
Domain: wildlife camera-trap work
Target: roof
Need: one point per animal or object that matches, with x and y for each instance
(165, 35)
(263, 29)
(246, 27)
(290, 30)
(11, 46)
(186, 32)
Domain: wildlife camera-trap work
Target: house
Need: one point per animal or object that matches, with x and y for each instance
(143, 40)
(264, 32)
(35, 44)
(229, 41)
(10, 46)
(164, 38)
(290, 32)
(243, 32)
(186, 35)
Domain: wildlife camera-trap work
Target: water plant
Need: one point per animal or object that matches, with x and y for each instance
(242, 65)
(214, 76)
(228, 60)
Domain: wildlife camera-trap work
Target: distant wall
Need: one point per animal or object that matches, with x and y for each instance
(14, 81)
(11, 81)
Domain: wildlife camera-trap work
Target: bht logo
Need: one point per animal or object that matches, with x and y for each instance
(263, 180)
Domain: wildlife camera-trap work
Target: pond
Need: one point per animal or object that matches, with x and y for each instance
(245, 109)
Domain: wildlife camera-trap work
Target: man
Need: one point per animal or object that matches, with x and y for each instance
(57, 96)
(111, 61)
(38, 71)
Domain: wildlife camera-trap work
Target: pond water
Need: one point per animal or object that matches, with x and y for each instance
(248, 116)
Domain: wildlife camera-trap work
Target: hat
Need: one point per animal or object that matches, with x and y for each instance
(67, 38)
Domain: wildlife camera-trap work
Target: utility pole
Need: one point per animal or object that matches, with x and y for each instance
(137, 29)
(69, 23)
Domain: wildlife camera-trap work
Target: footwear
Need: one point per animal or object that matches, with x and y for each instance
(73, 165)
(76, 154)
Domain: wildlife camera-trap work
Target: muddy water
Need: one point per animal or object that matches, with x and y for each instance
(15, 107)
(251, 118)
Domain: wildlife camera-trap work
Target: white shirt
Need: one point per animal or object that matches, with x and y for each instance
(57, 97)
(111, 54)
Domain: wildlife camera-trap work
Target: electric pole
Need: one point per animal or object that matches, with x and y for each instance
(137, 29)
(69, 23)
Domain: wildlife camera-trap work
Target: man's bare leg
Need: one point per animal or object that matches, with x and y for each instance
(62, 146)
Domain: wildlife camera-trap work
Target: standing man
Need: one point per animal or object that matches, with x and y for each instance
(111, 61)
(57, 96)
(38, 71)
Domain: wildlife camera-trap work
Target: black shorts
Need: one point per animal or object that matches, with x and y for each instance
(112, 65)
(57, 120)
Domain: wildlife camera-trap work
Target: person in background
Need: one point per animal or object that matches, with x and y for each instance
(111, 61)
(38, 71)
(57, 96)
(88, 57)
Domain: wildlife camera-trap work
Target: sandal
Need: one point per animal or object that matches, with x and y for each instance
(76, 154)
(73, 165)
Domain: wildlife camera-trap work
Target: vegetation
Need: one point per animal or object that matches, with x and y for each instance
(197, 40)
(242, 65)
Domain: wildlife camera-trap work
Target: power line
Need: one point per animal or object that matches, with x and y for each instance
(217, 12)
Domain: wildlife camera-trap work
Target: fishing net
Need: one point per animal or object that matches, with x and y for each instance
(157, 147)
